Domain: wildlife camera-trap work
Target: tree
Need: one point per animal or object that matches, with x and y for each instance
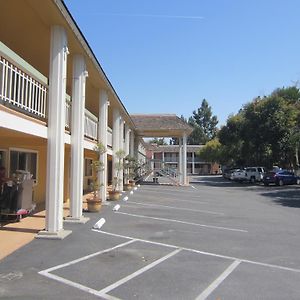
(211, 152)
(265, 131)
(204, 123)
(158, 141)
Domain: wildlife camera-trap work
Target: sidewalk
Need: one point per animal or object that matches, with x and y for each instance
(16, 235)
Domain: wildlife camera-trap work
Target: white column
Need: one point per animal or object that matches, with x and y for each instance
(136, 146)
(116, 139)
(180, 161)
(193, 162)
(163, 159)
(102, 137)
(184, 158)
(77, 139)
(131, 150)
(121, 148)
(127, 145)
(56, 134)
(127, 139)
(152, 161)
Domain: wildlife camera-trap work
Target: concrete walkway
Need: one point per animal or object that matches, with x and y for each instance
(18, 234)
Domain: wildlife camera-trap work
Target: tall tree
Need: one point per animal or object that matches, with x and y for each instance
(204, 123)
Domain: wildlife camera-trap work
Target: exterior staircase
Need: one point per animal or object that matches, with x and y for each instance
(158, 169)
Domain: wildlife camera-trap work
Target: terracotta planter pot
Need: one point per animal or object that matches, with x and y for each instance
(94, 204)
(132, 183)
(114, 195)
(127, 187)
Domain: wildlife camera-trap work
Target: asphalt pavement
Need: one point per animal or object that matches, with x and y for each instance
(212, 240)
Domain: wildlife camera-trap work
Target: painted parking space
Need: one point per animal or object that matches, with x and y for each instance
(234, 245)
(180, 270)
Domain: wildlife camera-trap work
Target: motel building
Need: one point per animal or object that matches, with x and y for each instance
(56, 103)
(170, 156)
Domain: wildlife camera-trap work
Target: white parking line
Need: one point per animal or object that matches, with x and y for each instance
(172, 192)
(177, 200)
(202, 252)
(86, 257)
(218, 281)
(103, 293)
(70, 283)
(177, 208)
(183, 222)
(137, 273)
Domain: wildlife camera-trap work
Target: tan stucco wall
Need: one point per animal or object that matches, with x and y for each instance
(35, 145)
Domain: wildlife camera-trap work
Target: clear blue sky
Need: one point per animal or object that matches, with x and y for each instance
(165, 56)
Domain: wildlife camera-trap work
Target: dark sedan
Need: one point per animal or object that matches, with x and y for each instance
(280, 178)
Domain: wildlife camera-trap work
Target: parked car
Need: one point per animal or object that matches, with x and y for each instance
(281, 177)
(228, 172)
(254, 174)
(239, 175)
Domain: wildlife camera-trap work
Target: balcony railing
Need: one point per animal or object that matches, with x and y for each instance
(24, 88)
(171, 159)
(68, 112)
(21, 85)
(109, 137)
(90, 121)
(90, 125)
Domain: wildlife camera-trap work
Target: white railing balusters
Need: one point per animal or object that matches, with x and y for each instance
(22, 90)
(90, 125)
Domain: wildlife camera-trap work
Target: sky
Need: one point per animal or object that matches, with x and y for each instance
(165, 56)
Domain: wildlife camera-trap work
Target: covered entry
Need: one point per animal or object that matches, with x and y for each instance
(166, 125)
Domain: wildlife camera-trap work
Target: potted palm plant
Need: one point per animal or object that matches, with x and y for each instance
(130, 166)
(94, 203)
(114, 194)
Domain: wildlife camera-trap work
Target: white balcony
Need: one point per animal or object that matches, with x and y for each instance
(109, 137)
(90, 121)
(25, 89)
(22, 87)
(68, 113)
(90, 125)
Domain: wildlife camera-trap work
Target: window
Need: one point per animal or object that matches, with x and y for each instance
(2, 158)
(23, 160)
(88, 170)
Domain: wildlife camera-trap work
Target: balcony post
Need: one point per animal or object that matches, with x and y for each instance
(102, 137)
(131, 148)
(121, 148)
(193, 162)
(184, 158)
(116, 140)
(180, 161)
(127, 142)
(56, 134)
(127, 139)
(77, 140)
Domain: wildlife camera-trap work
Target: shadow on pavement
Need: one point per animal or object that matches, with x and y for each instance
(288, 195)
(284, 197)
(219, 181)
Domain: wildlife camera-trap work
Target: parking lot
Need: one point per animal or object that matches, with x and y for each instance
(212, 240)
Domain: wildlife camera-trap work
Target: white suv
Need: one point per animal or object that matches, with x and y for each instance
(255, 174)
